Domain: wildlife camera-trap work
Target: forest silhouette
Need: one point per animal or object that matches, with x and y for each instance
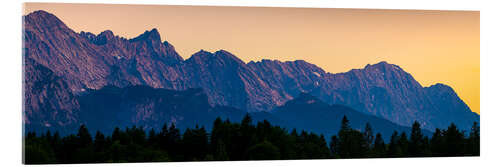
(243, 141)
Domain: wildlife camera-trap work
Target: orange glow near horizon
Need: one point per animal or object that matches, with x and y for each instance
(433, 46)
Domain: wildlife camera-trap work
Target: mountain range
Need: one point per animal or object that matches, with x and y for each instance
(65, 72)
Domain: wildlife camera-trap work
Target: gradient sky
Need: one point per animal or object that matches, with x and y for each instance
(433, 46)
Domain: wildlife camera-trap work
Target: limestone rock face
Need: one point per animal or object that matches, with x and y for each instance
(48, 101)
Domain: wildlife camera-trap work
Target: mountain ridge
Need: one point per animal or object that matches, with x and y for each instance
(87, 61)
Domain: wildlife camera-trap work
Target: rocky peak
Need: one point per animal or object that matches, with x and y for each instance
(308, 67)
(302, 62)
(380, 73)
(450, 107)
(100, 39)
(44, 19)
(264, 62)
(103, 38)
(199, 56)
(440, 89)
(149, 45)
(381, 66)
(225, 55)
(152, 35)
(88, 35)
(299, 64)
(168, 45)
(108, 34)
(202, 52)
(221, 56)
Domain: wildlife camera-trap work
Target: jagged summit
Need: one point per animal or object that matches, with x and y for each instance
(443, 90)
(43, 15)
(382, 66)
(40, 12)
(441, 86)
(278, 62)
(203, 52)
(264, 61)
(100, 39)
(228, 56)
(381, 63)
(200, 56)
(378, 65)
(221, 55)
(223, 52)
(43, 19)
(107, 33)
(152, 35)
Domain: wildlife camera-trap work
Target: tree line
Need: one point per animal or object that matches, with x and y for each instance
(242, 141)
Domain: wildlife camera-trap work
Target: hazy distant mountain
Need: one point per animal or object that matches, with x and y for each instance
(84, 61)
(309, 113)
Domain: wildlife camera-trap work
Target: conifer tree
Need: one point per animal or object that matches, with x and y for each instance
(368, 136)
(379, 148)
(116, 135)
(437, 143)
(352, 143)
(345, 126)
(394, 149)
(416, 144)
(403, 144)
(334, 146)
(174, 142)
(84, 137)
(473, 141)
(99, 141)
(454, 141)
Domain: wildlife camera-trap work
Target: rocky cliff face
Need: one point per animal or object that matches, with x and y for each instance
(450, 106)
(384, 90)
(48, 101)
(84, 61)
(92, 61)
(387, 91)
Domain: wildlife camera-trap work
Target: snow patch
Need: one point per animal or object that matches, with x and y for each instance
(317, 74)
